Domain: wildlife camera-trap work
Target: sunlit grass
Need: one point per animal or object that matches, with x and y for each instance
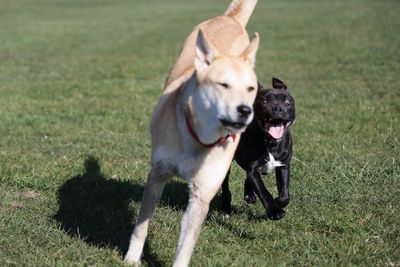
(78, 83)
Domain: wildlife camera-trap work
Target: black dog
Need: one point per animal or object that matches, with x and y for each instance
(265, 146)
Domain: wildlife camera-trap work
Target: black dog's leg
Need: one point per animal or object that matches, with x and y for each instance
(282, 182)
(249, 195)
(274, 211)
(226, 195)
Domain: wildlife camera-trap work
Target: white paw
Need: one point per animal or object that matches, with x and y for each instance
(129, 259)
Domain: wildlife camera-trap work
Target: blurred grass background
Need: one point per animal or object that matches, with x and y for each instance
(78, 83)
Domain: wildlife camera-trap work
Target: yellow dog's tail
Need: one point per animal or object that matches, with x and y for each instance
(241, 10)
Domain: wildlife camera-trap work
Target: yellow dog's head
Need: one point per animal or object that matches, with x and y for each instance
(227, 85)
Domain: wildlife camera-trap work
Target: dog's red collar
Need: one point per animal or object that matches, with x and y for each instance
(220, 141)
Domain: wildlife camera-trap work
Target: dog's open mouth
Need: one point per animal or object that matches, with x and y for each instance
(231, 125)
(276, 127)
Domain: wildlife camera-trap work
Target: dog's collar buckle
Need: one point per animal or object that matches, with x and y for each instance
(220, 141)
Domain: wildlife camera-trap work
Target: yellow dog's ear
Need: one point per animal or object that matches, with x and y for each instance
(249, 54)
(205, 52)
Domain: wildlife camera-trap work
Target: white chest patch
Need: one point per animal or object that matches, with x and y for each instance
(271, 164)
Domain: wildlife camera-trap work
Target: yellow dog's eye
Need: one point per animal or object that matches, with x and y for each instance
(225, 85)
(250, 89)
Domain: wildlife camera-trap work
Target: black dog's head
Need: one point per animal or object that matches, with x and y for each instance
(274, 109)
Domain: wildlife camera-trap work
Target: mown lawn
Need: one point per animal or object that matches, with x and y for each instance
(78, 82)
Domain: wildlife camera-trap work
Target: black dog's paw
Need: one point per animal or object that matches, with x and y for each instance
(282, 202)
(250, 198)
(275, 213)
(226, 210)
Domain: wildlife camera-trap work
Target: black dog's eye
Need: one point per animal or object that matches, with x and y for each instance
(250, 89)
(225, 85)
(266, 99)
(288, 102)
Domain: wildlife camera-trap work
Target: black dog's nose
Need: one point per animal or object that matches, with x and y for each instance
(244, 110)
(277, 109)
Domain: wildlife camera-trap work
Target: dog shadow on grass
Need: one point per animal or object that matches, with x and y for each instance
(97, 209)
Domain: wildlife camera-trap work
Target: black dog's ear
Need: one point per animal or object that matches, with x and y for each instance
(260, 86)
(278, 84)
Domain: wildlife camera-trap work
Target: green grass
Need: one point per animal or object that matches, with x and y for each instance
(78, 83)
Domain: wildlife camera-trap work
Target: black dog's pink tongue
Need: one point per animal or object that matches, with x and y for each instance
(276, 131)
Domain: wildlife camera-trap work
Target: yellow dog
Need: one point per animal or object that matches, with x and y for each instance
(195, 129)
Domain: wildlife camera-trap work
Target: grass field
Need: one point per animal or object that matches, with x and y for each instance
(78, 83)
